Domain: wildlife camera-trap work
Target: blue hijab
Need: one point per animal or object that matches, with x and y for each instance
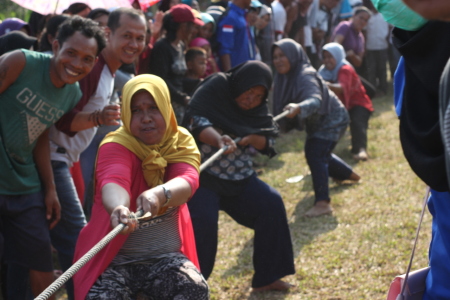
(337, 51)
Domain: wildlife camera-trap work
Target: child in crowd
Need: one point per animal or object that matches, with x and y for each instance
(196, 67)
(167, 57)
(211, 64)
(207, 30)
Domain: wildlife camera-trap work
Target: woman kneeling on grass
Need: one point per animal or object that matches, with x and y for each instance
(299, 89)
(342, 79)
(226, 106)
(151, 164)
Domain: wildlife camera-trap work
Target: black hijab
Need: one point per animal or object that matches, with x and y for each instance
(215, 97)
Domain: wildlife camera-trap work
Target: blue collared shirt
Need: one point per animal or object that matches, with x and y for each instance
(233, 37)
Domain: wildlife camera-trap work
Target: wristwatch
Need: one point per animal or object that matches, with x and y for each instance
(168, 195)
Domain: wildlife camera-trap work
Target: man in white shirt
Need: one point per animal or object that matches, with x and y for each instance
(377, 35)
(75, 130)
(279, 17)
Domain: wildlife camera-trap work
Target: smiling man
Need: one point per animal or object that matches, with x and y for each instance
(35, 91)
(73, 133)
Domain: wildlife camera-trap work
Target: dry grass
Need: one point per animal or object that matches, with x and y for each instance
(356, 252)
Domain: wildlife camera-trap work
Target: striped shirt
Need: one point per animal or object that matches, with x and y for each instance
(152, 239)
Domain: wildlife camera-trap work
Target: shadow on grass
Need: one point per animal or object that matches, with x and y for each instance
(303, 232)
(244, 266)
(290, 142)
(304, 229)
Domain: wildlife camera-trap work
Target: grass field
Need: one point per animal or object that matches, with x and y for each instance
(352, 254)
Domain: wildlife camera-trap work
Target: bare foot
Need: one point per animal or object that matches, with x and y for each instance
(277, 285)
(320, 208)
(362, 155)
(354, 177)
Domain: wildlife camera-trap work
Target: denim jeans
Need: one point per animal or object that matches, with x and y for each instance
(324, 164)
(24, 232)
(65, 234)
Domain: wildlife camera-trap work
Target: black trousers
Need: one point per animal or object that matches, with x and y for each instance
(359, 122)
(253, 204)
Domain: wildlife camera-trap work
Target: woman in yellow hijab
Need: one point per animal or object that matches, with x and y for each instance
(152, 164)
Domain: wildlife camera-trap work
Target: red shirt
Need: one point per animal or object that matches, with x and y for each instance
(353, 92)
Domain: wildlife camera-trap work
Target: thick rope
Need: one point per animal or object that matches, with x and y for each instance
(224, 148)
(282, 115)
(82, 261)
(113, 233)
(216, 155)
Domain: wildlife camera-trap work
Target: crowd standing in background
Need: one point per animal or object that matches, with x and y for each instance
(198, 53)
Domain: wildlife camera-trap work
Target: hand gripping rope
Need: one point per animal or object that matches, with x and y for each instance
(112, 234)
(224, 148)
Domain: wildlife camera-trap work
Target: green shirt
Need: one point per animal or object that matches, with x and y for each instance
(28, 107)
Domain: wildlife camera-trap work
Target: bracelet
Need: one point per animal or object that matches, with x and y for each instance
(167, 194)
(93, 118)
(97, 119)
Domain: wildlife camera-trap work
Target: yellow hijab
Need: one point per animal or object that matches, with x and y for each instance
(177, 144)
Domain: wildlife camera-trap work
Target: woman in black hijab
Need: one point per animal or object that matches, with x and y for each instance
(299, 89)
(227, 106)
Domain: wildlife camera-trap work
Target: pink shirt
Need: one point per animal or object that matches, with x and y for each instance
(116, 164)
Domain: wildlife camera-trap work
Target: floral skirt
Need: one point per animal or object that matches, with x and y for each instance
(173, 277)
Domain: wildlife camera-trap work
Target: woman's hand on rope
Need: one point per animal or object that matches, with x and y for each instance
(121, 214)
(255, 140)
(151, 200)
(225, 140)
(293, 108)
